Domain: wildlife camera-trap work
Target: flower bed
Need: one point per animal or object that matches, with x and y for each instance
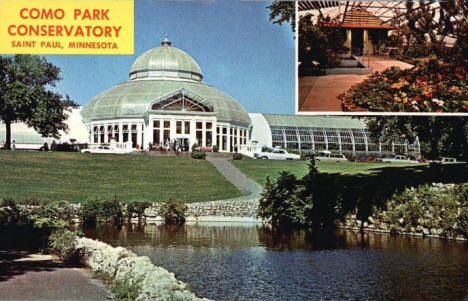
(429, 87)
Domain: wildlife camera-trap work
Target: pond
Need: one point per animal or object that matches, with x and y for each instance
(247, 261)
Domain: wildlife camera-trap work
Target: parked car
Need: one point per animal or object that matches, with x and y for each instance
(447, 160)
(369, 159)
(276, 154)
(104, 149)
(329, 156)
(396, 159)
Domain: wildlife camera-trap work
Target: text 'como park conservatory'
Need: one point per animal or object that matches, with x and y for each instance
(166, 100)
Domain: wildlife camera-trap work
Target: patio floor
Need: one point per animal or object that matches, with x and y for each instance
(319, 93)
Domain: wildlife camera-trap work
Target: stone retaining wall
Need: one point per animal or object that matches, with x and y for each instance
(374, 224)
(157, 284)
(198, 211)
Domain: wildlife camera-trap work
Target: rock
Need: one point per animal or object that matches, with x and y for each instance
(426, 231)
(157, 283)
(401, 221)
(371, 219)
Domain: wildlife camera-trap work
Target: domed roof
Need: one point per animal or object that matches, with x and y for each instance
(133, 99)
(165, 61)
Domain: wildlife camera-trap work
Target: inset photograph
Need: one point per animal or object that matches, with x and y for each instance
(383, 56)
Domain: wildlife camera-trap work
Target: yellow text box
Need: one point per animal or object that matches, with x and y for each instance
(66, 27)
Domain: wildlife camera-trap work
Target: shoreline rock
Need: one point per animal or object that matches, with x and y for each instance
(157, 284)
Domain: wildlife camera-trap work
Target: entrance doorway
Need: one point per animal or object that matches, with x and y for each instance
(357, 41)
(183, 144)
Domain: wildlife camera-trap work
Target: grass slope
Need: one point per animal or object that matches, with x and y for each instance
(259, 170)
(76, 177)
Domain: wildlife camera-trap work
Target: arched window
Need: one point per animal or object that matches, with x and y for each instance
(181, 102)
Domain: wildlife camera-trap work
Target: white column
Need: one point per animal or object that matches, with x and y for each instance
(120, 132)
(220, 138)
(99, 134)
(139, 131)
(105, 133)
(193, 133)
(204, 133)
(228, 148)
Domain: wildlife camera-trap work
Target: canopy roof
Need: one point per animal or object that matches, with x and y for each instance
(333, 122)
(134, 99)
(388, 12)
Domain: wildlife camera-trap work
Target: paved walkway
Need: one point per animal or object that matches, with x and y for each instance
(319, 93)
(249, 188)
(26, 276)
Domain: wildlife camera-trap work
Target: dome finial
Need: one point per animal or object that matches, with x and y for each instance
(166, 41)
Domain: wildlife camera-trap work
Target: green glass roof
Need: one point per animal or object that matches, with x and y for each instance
(165, 58)
(315, 121)
(132, 99)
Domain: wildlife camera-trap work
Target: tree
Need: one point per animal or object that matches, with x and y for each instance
(431, 26)
(283, 11)
(26, 96)
(438, 136)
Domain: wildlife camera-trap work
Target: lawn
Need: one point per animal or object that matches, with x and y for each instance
(76, 177)
(259, 170)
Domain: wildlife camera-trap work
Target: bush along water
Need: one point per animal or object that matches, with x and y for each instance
(44, 227)
(367, 201)
(429, 210)
(136, 209)
(97, 210)
(173, 211)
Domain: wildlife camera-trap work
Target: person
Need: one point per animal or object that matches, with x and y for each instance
(13, 145)
(235, 148)
(2, 145)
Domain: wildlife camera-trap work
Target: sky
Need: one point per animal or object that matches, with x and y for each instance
(238, 49)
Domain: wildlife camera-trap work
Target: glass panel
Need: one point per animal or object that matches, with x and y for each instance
(199, 136)
(178, 127)
(156, 124)
(167, 124)
(166, 135)
(209, 125)
(156, 138)
(187, 127)
(199, 125)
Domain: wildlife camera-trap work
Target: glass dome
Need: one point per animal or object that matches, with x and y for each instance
(166, 62)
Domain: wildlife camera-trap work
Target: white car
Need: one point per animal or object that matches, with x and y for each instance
(328, 156)
(104, 150)
(276, 154)
(396, 159)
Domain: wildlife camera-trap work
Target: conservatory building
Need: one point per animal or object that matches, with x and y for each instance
(166, 102)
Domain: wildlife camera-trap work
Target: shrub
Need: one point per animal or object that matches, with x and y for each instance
(173, 211)
(280, 203)
(63, 244)
(126, 289)
(45, 147)
(30, 227)
(430, 208)
(237, 156)
(215, 149)
(96, 210)
(53, 146)
(136, 207)
(194, 147)
(198, 155)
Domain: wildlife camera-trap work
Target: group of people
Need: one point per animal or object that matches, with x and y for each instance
(172, 145)
(12, 146)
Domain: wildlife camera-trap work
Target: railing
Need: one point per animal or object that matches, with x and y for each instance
(114, 145)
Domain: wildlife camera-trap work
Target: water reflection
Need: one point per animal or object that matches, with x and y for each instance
(225, 259)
